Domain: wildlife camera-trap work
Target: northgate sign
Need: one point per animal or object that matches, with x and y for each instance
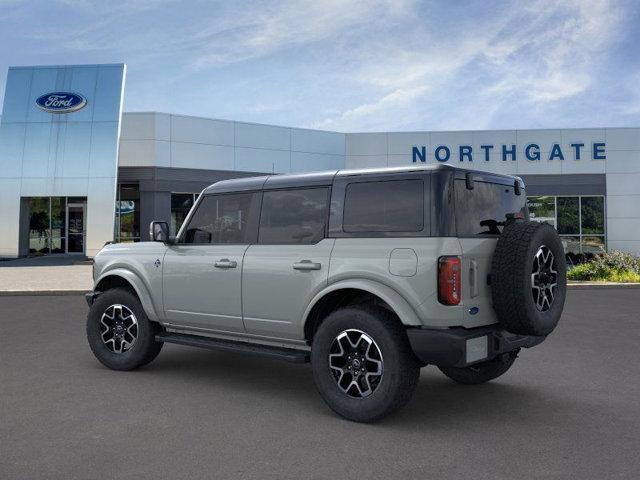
(531, 152)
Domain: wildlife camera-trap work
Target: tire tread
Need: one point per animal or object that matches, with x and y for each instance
(147, 347)
(510, 278)
(405, 375)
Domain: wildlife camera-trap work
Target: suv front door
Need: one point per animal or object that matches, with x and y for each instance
(202, 271)
(290, 262)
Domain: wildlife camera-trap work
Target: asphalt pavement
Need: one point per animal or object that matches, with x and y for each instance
(568, 409)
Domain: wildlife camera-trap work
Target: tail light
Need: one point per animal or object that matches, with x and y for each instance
(449, 280)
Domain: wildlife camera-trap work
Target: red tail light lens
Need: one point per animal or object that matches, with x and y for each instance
(449, 280)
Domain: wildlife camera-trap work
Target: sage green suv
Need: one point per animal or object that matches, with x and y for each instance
(368, 274)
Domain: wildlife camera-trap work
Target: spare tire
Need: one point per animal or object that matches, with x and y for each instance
(529, 278)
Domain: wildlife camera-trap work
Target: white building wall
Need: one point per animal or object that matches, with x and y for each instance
(165, 140)
(395, 149)
(623, 189)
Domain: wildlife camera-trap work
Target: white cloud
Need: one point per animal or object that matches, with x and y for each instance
(398, 98)
(286, 24)
(550, 57)
(350, 64)
(541, 53)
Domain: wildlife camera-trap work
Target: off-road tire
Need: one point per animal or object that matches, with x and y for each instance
(400, 367)
(480, 372)
(511, 278)
(145, 348)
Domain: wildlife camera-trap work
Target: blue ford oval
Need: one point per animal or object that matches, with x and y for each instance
(61, 102)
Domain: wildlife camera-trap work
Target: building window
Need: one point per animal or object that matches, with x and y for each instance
(542, 209)
(592, 215)
(181, 203)
(580, 220)
(127, 226)
(56, 225)
(59, 225)
(568, 215)
(39, 226)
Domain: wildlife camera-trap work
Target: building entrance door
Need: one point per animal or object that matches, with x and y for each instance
(76, 229)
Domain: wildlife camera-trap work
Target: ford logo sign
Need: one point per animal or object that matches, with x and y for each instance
(61, 102)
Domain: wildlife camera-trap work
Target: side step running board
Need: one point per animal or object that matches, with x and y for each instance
(287, 354)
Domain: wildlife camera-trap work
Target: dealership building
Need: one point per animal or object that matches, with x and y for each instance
(76, 171)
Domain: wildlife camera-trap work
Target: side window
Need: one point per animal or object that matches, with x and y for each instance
(483, 210)
(384, 206)
(220, 219)
(295, 216)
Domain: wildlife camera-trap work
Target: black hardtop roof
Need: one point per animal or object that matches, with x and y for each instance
(326, 178)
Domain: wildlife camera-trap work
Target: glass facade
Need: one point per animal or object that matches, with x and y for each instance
(181, 203)
(580, 220)
(48, 157)
(39, 226)
(57, 225)
(127, 225)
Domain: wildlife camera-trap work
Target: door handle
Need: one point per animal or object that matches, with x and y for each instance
(306, 265)
(473, 278)
(225, 263)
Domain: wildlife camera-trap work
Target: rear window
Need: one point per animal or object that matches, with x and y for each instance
(384, 206)
(483, 210)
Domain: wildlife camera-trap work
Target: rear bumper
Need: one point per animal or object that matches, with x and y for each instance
(460, 347)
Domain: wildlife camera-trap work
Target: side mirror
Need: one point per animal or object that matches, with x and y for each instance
(159, 231)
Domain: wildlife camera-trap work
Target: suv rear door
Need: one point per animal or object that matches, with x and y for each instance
(202, 271)
(478, 211)
(290, 262)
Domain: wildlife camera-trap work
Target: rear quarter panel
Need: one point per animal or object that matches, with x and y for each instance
(371, 259)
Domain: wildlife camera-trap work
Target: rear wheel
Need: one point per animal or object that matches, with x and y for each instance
(481, 372)
(119, 333)
(362, 363)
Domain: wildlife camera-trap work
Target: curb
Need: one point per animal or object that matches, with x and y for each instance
(601, 286)
(22, 293)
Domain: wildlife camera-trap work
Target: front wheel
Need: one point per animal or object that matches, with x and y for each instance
(119, 333)
(362, 363)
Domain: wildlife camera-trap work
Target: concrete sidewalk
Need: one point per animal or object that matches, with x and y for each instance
(45, 276)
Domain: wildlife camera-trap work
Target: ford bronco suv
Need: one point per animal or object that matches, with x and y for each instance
(368, 274)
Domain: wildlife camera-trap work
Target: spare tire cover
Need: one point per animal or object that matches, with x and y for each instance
(529, 278)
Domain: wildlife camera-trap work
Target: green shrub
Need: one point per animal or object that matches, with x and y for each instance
(584, 271)
(624, 276)
(614, 266)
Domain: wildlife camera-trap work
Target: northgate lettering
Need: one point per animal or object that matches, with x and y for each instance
(577, 151)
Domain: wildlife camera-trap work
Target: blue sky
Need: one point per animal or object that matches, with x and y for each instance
(350, 65)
